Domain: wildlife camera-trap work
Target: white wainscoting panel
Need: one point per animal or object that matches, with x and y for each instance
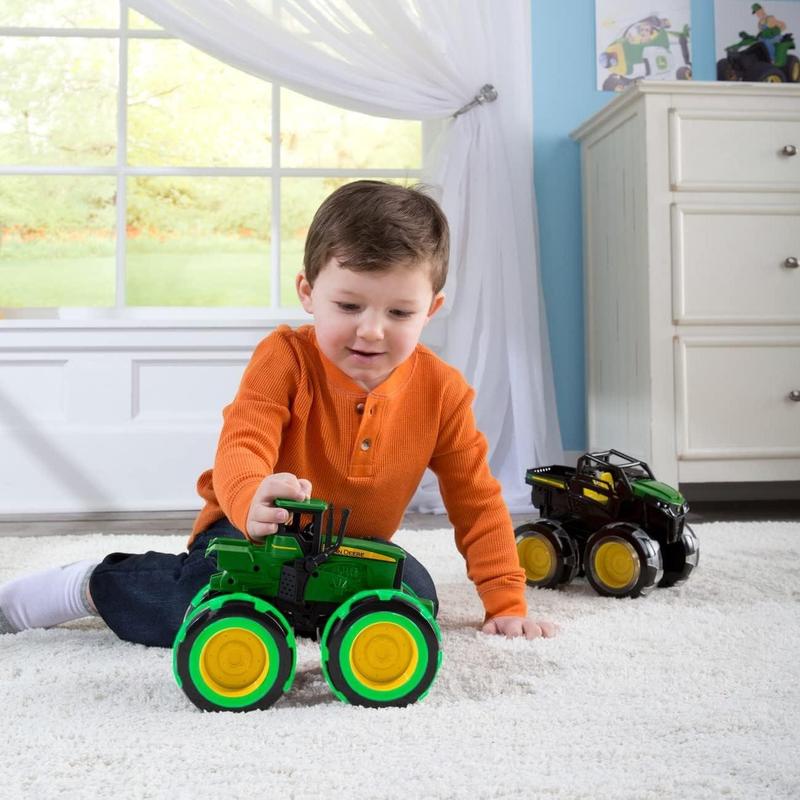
(113, 416)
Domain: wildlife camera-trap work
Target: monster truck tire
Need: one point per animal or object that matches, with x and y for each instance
(680, 558)
(236, 653)
(547, 553)
(381, 648)
(621, 560)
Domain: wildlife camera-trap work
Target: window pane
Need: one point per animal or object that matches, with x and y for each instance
(314, 134)
(140, 22)
(187, 109)
(59, 13)
(57, 241)
(198, 241)
(58, 103)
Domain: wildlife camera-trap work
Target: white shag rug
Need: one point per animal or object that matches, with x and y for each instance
(689, 693)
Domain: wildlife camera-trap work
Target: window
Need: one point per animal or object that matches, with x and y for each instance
(138, 172)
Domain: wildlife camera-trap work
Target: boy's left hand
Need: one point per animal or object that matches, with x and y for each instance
(520, 626)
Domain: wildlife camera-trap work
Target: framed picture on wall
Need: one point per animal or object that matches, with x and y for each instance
(636, 42)
(756, 41)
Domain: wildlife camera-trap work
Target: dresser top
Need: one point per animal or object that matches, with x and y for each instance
(717, 88)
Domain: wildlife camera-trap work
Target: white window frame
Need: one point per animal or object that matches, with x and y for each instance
(270, 315)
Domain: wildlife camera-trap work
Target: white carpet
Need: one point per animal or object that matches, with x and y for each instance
(688, 693)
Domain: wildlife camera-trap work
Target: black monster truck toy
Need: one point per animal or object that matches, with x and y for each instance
(609, 519)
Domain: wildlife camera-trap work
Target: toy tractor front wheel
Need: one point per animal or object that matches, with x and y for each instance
(234, 653)
(680, 558)
(621, 560)
(547, 553)
(381, 648)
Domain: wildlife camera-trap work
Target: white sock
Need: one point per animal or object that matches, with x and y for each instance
(47, 598)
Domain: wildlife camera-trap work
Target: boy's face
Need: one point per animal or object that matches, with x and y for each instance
(368, 323)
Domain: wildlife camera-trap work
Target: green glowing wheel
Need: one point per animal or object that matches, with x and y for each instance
(234, 653)
(381, 648)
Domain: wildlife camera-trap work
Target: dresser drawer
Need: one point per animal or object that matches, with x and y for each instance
(734, 397)
(734, 151)
(736, 264)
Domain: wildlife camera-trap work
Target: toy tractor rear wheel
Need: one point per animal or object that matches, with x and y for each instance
(727, 70)
(680, 558)
(234, 653)
(381, 648)
(621, 560)
(547, 553)
(792, 69)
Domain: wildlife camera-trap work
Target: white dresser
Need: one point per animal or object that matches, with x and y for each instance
(691, 225)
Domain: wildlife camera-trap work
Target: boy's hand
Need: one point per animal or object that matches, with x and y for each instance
(520, 626)
(263, 517)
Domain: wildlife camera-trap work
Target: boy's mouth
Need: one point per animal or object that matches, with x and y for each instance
(364, 353)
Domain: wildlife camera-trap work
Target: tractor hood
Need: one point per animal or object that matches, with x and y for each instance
(659, 491)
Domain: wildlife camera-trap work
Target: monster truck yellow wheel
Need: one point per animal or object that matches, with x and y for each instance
(233, 662)
(235, 653)
(616, 564)
(547, 553)
(621, 560)
(383, 656)
(774, 79)
(382, 647)
(537, 557)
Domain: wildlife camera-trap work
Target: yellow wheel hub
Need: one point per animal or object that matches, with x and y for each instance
(616, 564)
(234, 662)
(384, 656)
(537, 557)
(774, 79)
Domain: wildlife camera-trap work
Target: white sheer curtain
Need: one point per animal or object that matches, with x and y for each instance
(425, 59)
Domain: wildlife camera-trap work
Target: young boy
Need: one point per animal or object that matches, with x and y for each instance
(351, 406)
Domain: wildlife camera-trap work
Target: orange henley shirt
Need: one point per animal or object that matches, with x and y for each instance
(297, 412)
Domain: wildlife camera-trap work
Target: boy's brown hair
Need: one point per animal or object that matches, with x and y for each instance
(370, 226)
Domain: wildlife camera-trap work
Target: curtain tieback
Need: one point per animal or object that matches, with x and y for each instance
(487, 94)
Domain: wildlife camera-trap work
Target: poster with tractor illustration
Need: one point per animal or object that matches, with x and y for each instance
(756, 42)
(637, 41)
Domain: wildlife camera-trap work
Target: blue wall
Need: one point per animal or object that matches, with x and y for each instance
(564, 96)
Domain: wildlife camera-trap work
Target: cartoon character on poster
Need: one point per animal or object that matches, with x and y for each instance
(636, 42)
(755, 41)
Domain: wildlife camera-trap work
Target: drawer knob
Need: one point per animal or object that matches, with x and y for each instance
(790, 150)
(795, 395)
(790, 263)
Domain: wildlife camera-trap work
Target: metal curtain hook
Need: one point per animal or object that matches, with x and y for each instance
(487, 94)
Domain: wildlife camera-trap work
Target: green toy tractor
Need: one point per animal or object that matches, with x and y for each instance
(749, 60)
(607, 518)
(380, 643)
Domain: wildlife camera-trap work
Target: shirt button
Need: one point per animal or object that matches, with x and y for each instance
(360, 408)
(366, 444)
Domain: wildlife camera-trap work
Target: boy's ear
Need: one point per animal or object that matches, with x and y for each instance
(436, 304)
(303, 288)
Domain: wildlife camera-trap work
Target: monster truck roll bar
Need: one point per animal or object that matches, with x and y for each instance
(602, 460)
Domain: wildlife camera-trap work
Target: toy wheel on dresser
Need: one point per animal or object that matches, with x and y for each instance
(547, 553)
(621, 560)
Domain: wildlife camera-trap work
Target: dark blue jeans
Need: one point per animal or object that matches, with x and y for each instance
(143, 597)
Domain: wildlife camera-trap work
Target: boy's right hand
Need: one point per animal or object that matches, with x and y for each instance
(263, 517)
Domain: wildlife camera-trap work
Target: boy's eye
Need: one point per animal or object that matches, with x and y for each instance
(349, 308)
(401, 314)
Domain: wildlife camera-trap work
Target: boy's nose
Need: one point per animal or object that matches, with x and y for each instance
(369, 327)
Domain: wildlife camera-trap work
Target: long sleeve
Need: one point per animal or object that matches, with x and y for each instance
(483, 529)
(253, 426)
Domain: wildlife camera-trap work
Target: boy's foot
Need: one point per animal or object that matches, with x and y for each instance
(47, 598)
